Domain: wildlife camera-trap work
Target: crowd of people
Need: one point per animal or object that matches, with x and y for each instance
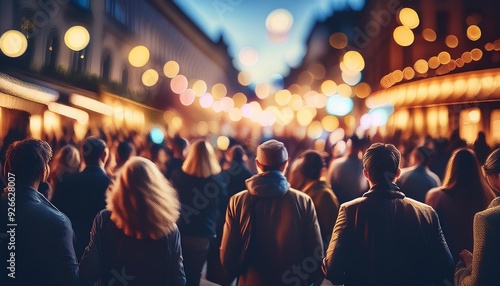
(132, 212)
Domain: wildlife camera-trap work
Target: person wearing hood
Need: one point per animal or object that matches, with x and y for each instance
(271, 234)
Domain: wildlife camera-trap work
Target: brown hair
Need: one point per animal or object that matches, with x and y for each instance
(381, 161)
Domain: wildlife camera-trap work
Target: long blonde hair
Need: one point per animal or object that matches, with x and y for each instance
(201, 161)
(143, 204)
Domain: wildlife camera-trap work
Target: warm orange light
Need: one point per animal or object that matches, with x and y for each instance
(362, 90)
(138, 56)
(408, 73)
(282, 97)
(403, 36)
(354, 61)
(338, 40)
(171, 69)
(328, 87)
(150, 77)
(444, 58)
(473, 33)
(330, 123)
(219, 90)
(476, 54)
(409, 18)
(77, 38)
(451, 41)
(421, 66)
(429, 35)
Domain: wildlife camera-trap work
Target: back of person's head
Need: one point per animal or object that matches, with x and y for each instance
(422, 155)
(93, 150)
(179, 144)
(66, 161)
(236, 153)
(143, 204)
(27, 160)
(124, 151)
(271, 156)
(158, 153)
(201, 160)
(355, 143)
(381, 161)
(307, 167)
(492, 164)
(463, 174)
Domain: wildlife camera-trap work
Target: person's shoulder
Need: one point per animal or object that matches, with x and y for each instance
(298, 194)
(495, 202)
(353, 203)
(490, 215)
(434, 193)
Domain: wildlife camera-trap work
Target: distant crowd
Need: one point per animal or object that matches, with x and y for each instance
(124, 210)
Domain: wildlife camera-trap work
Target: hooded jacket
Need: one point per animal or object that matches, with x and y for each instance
(285, 242)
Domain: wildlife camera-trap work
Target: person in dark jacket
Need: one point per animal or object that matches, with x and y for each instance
(203, 198)
(136, 240)
(385, 238)
(271, 236)
(82, 196)
(237, 172)
(35, 236)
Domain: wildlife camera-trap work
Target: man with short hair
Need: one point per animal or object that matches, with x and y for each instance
(83, 195)
(417, 180)
(385, 238)
(271, 235)
(36, 239)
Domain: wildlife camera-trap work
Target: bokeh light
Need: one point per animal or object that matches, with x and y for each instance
(13, 43)
(409, 18)
(279, 21)
(263, 90)
(282, 97)
(248, 56)
(403, 36)
(354, 61)
(429, 35)
(444, 58)
(338, 40)
(222, 143)
(235, 114)
(328, 87)
(138, 56)
(219, 90)
(239, 99)
(244, 78)
(339, 106)
(150, 77)
(421, 66)
(171, 69)
(77, 38)
(451, 41)
(330, 123)
(473, 33)
(156, 135)
(179, 84)
(344, 90)
(199, 87)
(314, 130)
(206, 100)
(362, 90)
(187, 97)
(351, 78)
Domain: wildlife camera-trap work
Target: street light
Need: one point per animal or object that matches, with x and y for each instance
(13, 43)
(77, 38)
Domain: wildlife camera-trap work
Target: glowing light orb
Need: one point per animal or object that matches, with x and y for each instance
(138, 56)
(13, 43)
(77, 38)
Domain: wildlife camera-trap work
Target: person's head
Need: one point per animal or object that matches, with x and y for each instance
(28, 160)
(179, 146)
(236, 154)
(66, 161)
(307, 167)
(201, 160)
(463, 174)
(491, 170)
(158, 154)
(143, 204)
(124, 151)
(271, 156)
(381, 163)
(95, 152)
(354, 144)
(421, 156)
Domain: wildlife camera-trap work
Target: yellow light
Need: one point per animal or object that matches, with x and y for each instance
(219, 91)
(330, 123)
(80, 131)
(421, 66)
(35, 126)
(262, 90)
(467, 57)
(451, 41)
(222, 143)
(150, 77)
(179, 84)
(50, 121)
(90, 104)
(202, 128)
(13, 43)
(476, 54)
(235, 114)
(296, 103)
(314, 130)
(171, 69)
(338, 40)
(362, 90)
(77, 38)
(408, 73)
(429, 35)
(177, 123)
(279, 21)
(444, 58)
(473, 33)
(328, 87)
(244, 78)
(475, 115)
(354, 61)
(138, 56)
(409, 18)
(168, 115)
(344, 90)
(79, 115)
(350, 121)
(282, 97)
(460, 63)
(403, 36)
(434, 62)
(305, 116)
(199, 87)
(239, 99)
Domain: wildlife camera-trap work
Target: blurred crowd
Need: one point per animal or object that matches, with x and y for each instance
(275, 213)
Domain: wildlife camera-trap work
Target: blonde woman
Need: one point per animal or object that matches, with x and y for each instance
(136, 238)
(204, 199)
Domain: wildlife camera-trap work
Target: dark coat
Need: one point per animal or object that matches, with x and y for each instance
(384, 238)
(235, 177)
(112, 256)
(81, 197)
(43, 246)
(203, 202)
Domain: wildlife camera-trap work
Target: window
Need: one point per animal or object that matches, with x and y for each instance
(106, 67)
(79, 61)
(116, 9)
(52, 51)
(83, 3)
